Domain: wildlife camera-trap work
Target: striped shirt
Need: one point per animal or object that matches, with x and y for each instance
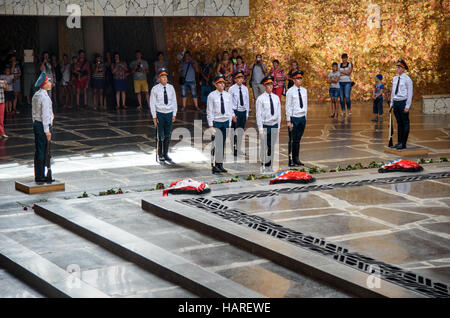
(2, 91)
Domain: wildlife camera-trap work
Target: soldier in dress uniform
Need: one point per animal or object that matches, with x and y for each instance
(163, 107)
(296, 110)
(42, 114)
(219, 113)
(241, 105)
(268, 119)
(401, 98)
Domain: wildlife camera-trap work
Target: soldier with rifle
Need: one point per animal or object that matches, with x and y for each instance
(296, 110)
(42, 114)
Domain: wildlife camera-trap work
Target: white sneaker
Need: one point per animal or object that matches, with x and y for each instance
(4, 136)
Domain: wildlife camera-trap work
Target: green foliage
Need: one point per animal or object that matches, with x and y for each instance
(84, 195)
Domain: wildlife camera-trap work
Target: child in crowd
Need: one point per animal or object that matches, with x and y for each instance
(9, 91)
(378, 98)
(66, 70)
(3, 87)
(333, 79)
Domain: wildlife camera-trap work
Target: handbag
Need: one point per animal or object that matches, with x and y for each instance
(182, 78)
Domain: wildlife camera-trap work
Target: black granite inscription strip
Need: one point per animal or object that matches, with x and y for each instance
(321, 187)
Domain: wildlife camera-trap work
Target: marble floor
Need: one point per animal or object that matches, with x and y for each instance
(406, 224)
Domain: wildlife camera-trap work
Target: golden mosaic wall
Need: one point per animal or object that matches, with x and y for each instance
(316, 33)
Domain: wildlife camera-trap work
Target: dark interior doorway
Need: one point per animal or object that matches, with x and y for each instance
(126, 35)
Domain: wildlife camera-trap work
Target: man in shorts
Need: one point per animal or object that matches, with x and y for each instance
(139, 68)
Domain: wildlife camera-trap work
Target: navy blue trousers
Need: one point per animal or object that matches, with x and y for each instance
(164, 125)
(402, 121)
(40, 141)
(299, 124)
(220, 137)
(271, 132)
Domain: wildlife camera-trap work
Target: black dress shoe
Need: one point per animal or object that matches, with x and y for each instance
(268, 164)
(395, 146)
(221, 168)
(290, 163)
(215, 170)
(167, 158)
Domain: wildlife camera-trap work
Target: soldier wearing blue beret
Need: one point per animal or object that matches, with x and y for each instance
(42, 114)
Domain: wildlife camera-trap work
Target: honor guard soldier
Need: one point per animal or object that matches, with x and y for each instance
(240, 104)
(219, 113)
(401, 98)
(268, 119)
(296, 110)
(42, 114)
(163, 106)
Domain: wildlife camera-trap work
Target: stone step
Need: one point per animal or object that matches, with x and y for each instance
(298, 259)
(45, 276)
(13, 287)
(94, 265)
(143, 253)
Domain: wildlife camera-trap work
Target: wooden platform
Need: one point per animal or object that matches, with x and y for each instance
(412, 150)
(31, 187)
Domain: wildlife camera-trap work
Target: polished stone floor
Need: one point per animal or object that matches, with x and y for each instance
(407, 224)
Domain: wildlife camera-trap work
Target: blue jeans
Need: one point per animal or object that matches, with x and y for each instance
(345, 89)
(334, 92)
(164, 125)
(191, 85)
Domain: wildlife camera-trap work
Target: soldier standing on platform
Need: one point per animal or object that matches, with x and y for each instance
(401, 98)
(241, 104)
(219, 113)
(268, 119)
(42, 114)
(163, 106)
(296, 110)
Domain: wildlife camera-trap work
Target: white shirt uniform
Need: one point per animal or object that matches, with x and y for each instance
(213, 107)
(405, 90)
(42, 109)
(234, 91)
(263, 113)
(293, 102)
(157, 100)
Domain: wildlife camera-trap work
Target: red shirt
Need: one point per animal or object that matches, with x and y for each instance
(279, 77)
